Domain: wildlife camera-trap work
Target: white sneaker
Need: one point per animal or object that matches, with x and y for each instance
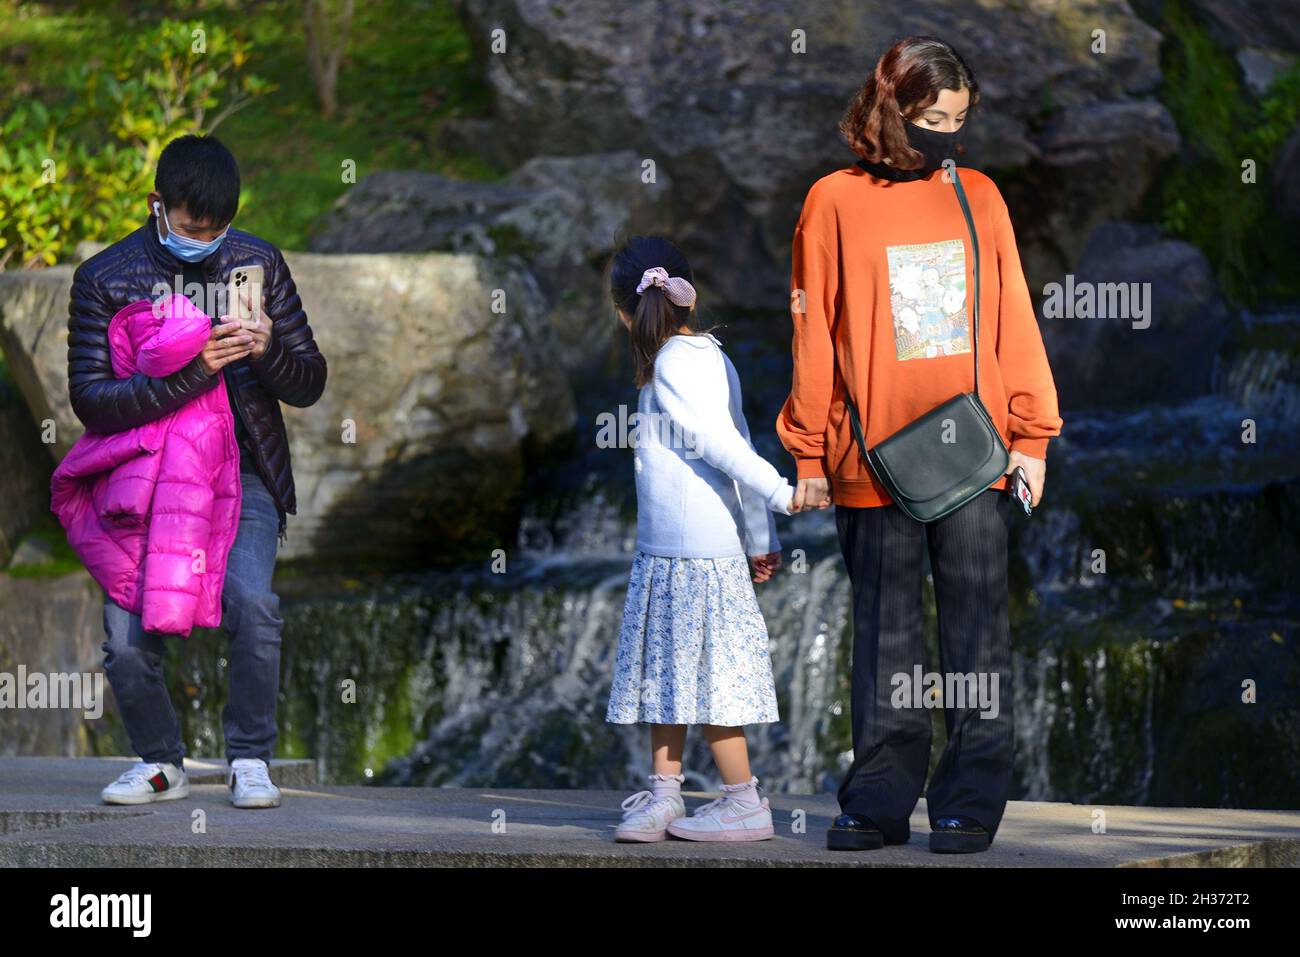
(145, 782)
(726, 819)
(646, 817)
(250, 784)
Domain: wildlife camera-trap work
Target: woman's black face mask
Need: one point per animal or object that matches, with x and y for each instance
(935, 146)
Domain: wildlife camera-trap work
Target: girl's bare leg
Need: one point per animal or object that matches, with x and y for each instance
(730, 753)
(667, 742)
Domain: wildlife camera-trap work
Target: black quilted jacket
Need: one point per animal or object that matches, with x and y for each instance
(292, 369)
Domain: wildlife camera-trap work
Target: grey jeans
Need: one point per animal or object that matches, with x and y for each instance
(250, 613)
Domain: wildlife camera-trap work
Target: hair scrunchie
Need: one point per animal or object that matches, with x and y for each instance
(678, 290)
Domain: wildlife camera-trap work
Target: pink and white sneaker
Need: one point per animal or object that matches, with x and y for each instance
(646, 818)
(726, 819)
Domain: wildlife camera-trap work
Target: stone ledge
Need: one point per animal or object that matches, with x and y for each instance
(454, 827)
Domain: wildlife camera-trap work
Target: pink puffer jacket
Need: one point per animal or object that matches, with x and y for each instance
(152, 511)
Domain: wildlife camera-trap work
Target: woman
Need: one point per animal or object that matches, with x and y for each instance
(882, 263)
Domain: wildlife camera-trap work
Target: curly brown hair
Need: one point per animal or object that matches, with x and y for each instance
(910, 74)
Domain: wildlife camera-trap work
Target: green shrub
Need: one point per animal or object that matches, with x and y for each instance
(1204, 200)
(78, 168)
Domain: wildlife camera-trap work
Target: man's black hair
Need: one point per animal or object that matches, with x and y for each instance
(201, 175)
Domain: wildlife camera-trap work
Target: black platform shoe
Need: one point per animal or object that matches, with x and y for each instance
(851, 832)
(958, 835)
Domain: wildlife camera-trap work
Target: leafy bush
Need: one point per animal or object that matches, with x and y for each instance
(1205, 201)
(78, 168)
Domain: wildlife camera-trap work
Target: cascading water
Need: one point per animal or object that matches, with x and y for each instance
(1151, 588)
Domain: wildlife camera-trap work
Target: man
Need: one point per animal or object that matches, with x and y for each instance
(187, 246)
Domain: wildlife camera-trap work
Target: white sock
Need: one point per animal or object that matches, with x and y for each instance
(666, 784)
(746, 793)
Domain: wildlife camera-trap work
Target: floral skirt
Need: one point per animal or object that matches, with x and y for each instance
(693, 646)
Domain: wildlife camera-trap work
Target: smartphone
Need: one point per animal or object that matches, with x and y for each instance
(1019, 488)
(245, 281)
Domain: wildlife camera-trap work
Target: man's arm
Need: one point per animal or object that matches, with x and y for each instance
(292, 369)
(103, 402)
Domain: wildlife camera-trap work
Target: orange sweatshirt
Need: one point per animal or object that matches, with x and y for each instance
(881, 270)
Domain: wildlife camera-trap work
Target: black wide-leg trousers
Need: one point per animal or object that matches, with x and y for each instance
(884, 550)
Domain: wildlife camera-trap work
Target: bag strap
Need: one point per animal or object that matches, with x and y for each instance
(975, 246)
(854, 422)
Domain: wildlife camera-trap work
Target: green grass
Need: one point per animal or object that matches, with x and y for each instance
(410, 68)
(399, 87)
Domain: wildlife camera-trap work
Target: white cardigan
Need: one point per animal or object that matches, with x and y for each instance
(700, 485)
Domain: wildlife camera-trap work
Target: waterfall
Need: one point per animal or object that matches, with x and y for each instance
(1152, 586)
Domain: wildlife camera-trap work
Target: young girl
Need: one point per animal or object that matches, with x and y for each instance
(693, 645)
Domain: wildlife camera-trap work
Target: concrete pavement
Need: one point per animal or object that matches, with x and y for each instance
(50, 815)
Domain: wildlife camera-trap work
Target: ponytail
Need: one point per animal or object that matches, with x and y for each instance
(650, 281)
(653, 323)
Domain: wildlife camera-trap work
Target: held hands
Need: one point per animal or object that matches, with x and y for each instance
(811, 493)
(1035, 473)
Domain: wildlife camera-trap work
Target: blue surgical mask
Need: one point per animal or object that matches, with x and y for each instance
(190, 250)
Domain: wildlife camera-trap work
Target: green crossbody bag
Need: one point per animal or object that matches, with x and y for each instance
(943, 459)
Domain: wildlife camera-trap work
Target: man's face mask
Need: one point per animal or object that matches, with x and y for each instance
(190, 250)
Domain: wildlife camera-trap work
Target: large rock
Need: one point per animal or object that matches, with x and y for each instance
(559, 217)
(1104, 360)
(1260, 68)
(450, 400)
(1120, 144)
(51, 626)
(25, 468)
(1234, 24)
(407, 211)
(34, 339)
(714, 95)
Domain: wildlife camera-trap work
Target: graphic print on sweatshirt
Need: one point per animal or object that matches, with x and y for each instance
(927, 295)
